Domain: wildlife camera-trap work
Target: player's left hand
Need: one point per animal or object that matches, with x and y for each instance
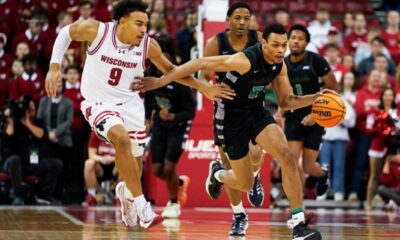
(218, 92)
(146, 84)
(326, 90)
(166, 115)
(308, 121)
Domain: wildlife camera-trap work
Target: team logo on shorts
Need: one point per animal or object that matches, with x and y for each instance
(100, 125)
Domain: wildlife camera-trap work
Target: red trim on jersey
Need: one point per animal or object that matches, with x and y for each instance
(137, 137)
(103, 114)
(100, 43)
(145, 51)
(114, 36)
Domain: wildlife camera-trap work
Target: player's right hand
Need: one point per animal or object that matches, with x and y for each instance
(218, 92)
(53, 79)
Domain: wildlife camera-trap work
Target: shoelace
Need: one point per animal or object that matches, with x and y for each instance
(239, 221)
(259, 189)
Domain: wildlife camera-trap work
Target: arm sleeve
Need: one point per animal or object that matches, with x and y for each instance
(61, 45)
(321, 66)
(186, 101)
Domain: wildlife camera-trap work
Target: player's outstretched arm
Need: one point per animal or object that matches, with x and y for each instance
(82, 30)
(286, 98)
(212, 92)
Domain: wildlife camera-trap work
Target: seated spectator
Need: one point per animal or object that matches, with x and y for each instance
(365, 66)
(282, 16)
(333, 38)
(100, 164)
(348, 61)
(31, 81)
(381, 65)
(348, 24)
(364, 50)
(85, 10)
(185, 38)
(358, 34)
(24, 153)
(392, 33)
(389, 188)
(333, 58)
(5, 58)
(348, 86)
(22, 50)
(379, 144)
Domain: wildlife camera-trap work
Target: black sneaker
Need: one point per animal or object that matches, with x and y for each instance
(256, 194)
(323, 182)
(302, 232)
(239, 225)
(213, 187)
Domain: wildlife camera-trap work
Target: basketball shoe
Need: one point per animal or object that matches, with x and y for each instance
(213, 186)
(129, 213)
(256, 194)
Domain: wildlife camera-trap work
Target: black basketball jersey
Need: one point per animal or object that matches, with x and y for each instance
(225, 47)
(249, 87)
(304, 76)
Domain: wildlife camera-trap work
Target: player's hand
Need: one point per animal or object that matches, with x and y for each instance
(218, 92)
(53, 80)
(145, 84)
(326, 90)
(166, 115)
(53, 136)
(108, 159)
(308, 121)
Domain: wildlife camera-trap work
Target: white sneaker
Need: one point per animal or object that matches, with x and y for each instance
(339, 196)
(172, 210)
(323, 197)
(129, 213)
(148, 218)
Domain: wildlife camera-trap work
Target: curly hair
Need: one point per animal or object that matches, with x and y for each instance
(124, 7)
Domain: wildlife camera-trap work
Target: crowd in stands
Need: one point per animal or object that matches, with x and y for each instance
(365, 59)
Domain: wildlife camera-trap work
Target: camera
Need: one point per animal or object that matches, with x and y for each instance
(18, 109)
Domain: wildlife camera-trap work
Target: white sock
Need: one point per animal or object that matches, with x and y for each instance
(140, 202)
(256, 172)
(298, 217)
(238, 208)
(217, 175)
(92, 191)
(127, 193)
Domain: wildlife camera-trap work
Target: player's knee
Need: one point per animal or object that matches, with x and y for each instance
(158, 171)
(90, 164)
(119, 139)
(169, 172)
(288, 160)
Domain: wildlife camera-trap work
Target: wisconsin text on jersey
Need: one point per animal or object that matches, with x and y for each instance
(118, 62)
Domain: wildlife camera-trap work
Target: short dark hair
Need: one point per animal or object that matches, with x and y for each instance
(237, 5)
(273, 28)
(378, 39)
(29, 58)
(300, 28)
(72, 67)
(86, 2)
(281, 9)
(124, 7)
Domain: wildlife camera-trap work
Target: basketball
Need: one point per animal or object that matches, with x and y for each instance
(328, 110)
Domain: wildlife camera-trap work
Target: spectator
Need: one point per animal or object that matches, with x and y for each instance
(64, 19)
(333, 38)
(282, 16)
(390, 176)
(379, 145)
(333, 58)
(319, 28)
(8, 13)
(358, 34)
(34, 36)
(367, 101)
(364, 51)
(380, 64)
(24, 151)
(100, 164)
(22, 50)
(348, 87)
(5, 65)
(158, 26)
(31, 81)
(365, 66)
(254, 24)
(104, 13)
(333, 150)
(159, 7)
(185, 38)
(85, 12)
(348, 61)
(348, 24)
(392, 33)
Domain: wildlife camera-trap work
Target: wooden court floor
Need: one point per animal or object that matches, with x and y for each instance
(78, 223)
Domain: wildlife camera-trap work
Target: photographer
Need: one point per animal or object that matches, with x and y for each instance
(23, 151)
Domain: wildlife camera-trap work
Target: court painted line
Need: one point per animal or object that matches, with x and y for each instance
(69, 216)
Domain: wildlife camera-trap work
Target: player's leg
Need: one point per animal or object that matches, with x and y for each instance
(256, 194)
(240, 218)
(272, 139)
(375, 166)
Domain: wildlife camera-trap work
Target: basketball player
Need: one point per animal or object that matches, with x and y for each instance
(244, 118)
(308, 72)
(115, 57)
(233, 40)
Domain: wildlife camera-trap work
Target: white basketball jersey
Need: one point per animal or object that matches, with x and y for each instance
(109, 69)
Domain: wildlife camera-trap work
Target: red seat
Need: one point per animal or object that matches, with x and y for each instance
(169, 5)
(333, 6)
(27, 178)
(301, 7)
(181, 5)
(364, 7)
(4, 177)
(272, 6)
